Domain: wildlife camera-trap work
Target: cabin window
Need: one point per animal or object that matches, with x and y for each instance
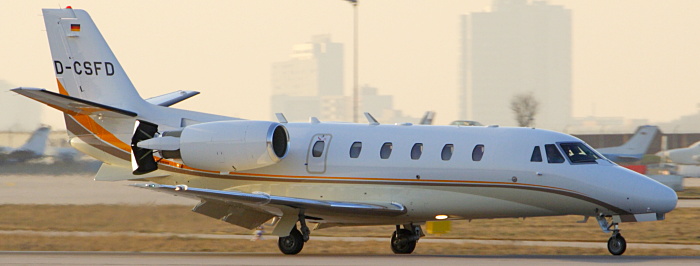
(447, 151)
(355, 149)
(536, 155)
(478, 153)
(317, 150)
(579, 152)
(553, 154)
(385, 152)
(416, 151)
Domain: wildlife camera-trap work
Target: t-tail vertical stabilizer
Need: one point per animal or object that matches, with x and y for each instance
(37, 142)
(85, 66)
(634, 149)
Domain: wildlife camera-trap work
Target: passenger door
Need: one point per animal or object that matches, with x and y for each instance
(318, 151)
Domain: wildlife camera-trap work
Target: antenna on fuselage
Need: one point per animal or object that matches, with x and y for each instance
(371, 119)
(281, 118)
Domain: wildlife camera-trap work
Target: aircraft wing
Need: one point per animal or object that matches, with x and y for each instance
(310, 206)
(171, 98)
(623, 158)
(72, 105)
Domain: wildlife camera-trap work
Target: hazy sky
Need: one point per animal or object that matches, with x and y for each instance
(632, 58)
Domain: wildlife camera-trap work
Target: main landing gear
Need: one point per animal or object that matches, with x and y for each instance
(616, 244)
(294, 242)
(291, 244)
(403, 241)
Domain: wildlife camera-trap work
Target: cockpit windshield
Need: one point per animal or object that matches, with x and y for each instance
(579, 152)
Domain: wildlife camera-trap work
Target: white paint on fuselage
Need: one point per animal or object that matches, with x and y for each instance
(459, 187)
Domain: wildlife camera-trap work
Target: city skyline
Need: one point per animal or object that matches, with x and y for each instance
(631, 59)
(516, 48)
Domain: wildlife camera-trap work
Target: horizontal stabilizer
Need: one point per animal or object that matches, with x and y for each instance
(71, 105)
(317, 208)
(172, 98)
(110, 172)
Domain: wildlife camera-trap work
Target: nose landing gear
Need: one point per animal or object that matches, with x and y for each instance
(616, 244)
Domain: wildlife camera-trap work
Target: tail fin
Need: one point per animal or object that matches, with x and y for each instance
(635, 147)
(84, 64)
(37, 142)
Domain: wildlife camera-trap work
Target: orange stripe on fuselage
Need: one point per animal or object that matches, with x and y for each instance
(92, 126)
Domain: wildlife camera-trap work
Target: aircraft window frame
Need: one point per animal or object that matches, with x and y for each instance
(447, 152)
(385, 151)
(551, 158)
(536, 156)
(589, 156)
(416, 151)
(355, 149)
(318, 148)
(478, 152)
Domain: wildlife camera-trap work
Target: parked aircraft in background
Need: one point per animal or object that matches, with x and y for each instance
(63, 154)
(34, 148)
(634, 149)
(323, 175)
(428, 118)
(689, 155)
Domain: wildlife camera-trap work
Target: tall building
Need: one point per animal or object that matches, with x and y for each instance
(517, 47)
(310, 83)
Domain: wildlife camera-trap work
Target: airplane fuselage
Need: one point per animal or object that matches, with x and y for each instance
(443, 179)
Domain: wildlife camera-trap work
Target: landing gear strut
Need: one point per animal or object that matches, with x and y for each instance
(616, 244)
(403, 241)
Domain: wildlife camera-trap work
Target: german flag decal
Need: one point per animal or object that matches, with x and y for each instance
(74, 27)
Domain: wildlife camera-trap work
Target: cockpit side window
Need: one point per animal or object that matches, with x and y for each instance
(553, 154)
(579, 152)
(536, 155)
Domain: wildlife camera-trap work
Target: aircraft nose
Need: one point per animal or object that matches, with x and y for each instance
(657, 197)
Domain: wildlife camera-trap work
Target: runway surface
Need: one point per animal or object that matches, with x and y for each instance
(128, 258)
(577, 244)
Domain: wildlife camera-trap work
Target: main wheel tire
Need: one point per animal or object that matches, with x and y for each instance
(292, 244)
(400, 244)
(617, 245)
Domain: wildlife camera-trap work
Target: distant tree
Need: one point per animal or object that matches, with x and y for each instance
(524, 108)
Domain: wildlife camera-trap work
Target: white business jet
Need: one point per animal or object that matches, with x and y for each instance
(320, 175)
(34, 148)
(689, 155)
(634, 149)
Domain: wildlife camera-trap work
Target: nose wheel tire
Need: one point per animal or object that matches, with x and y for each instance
(292, 244)
(617, 245)
(401, 242)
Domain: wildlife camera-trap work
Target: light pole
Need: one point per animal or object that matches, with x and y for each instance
(355, 89)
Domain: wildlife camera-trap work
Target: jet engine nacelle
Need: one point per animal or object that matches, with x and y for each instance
(233, 145)
(223, 146)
